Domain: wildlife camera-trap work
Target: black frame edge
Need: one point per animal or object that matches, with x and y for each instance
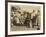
(28, 2)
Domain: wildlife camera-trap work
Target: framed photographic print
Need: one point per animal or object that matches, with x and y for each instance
(25, 18)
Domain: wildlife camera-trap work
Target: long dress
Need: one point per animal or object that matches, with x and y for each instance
(27, 20)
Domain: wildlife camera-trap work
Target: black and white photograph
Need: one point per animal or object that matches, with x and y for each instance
(25, 18)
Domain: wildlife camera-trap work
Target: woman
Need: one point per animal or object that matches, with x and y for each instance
(27, 20)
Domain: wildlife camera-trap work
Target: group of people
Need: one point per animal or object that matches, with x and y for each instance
(25, 18)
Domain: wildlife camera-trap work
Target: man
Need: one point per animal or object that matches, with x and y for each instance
(36, 20)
